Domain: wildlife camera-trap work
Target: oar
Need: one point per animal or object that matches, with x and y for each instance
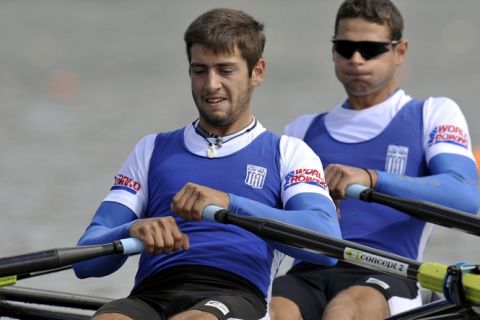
(422, 210)
(38, 312)
(60, 257)
(52, 298)
(429, 275)
(11, 280)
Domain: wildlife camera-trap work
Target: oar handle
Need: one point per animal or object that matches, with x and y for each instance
(354, 190)
(132, 246)
(209, 212)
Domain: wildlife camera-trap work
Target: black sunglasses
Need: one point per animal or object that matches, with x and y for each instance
(368, 49)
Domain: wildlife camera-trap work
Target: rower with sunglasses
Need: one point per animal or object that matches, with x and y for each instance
(384, 139)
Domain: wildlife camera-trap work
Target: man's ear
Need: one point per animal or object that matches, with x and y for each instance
(258, 72)
(401, 52)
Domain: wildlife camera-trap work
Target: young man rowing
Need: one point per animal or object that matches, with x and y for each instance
(384, 139)
(197, 269)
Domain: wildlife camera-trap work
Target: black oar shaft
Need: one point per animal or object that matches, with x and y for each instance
(54, 258)
(53, 298)
(329, 246)
(42, 273)
(429, 275)
(427, 211)
(30, 312)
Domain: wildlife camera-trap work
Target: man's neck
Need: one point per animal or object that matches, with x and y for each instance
(226, 130)
(367, 101)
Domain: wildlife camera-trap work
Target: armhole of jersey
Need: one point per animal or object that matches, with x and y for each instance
(150, 141)
(295, 151)
(282, 143)
(141, 156)
(298, 128)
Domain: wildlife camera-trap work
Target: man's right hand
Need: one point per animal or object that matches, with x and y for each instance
(160, 235)
(339, 177)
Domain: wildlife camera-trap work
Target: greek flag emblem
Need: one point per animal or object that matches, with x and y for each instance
(396, 162)
(255, 176)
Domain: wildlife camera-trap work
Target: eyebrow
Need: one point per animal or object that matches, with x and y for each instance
(224, 64)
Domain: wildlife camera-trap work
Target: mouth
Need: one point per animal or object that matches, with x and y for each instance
(357, 75)
(214, 100)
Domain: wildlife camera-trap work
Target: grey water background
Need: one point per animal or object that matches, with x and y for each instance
(82, 81)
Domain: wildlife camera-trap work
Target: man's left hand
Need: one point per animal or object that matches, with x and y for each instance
(190, 201)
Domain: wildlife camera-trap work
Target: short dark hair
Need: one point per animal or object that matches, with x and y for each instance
(221, 29)
(382, 12)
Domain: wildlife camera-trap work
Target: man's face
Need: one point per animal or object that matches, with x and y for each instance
(222, 88)
(361, 76)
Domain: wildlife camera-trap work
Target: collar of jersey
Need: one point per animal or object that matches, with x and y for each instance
(353, 126)
(197, 144)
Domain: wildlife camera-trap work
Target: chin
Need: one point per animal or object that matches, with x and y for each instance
(216, 120)
(357, 90)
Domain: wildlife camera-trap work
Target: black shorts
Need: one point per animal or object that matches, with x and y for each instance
(311, 287)
(178, 289)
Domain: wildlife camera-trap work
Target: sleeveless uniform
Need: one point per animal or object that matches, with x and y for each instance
(398, 136)
(254, 164)
(372, 224)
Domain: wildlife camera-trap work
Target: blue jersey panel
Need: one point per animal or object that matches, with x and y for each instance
(398, 149)
(252, 172)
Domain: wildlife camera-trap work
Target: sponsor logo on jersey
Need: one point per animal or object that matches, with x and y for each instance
(396, 161)
(218, 305)
(255, 176)
(123, 182)
(308, 176)
(450, 134)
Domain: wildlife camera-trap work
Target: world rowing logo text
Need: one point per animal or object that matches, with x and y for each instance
(123, 182)
(309, 176)
(449, 134)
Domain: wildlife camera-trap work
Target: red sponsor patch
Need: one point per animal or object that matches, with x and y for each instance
(122, 182)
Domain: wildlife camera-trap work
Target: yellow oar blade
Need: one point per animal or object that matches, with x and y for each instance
(8, 281)
(431, 276)
(471, 283)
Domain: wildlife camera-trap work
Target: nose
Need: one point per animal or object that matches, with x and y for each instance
(357, 57)
(213, 81)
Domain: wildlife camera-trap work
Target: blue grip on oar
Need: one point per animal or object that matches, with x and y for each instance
(131, 245)
(354, 190)
(209, 211)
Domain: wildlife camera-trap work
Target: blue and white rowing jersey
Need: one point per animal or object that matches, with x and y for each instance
(255, 164)
(398, 136)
